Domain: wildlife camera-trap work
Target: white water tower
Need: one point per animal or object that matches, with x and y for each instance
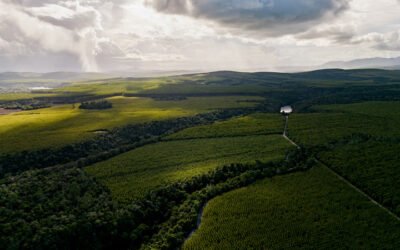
(286, 110)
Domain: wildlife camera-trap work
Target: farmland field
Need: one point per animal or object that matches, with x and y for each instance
(332, 122)
(104, 175)
(65, 124)
(310, 210)
(255, 124)
(373, 166)
(133, 174)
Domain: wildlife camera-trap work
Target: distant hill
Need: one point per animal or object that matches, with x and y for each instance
(378, 62)
(24, 81)
(60, 76)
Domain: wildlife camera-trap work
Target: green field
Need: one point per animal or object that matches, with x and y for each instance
(310, 210)
(94, 194)
(132, 174)
(64, 124)
(373, 166)
(332, 122)
(255, 124)
(20, 96)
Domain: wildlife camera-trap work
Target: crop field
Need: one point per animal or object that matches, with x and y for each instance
(309, 210)
(372, 166)
(64, 124)
(97, 191)
(111, 86)
(333, 122)
(379, 109)
(254, 124)
(132, 174)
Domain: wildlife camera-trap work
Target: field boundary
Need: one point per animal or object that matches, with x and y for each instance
(340, 177)
(343, 179)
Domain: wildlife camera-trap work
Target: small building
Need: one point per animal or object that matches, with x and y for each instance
(286, 110)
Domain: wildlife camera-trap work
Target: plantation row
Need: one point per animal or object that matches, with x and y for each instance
(105, 146)
(360, 142)
(65, 208)
(133, 174)
(370, 163)
(254, 124)
(307, 210)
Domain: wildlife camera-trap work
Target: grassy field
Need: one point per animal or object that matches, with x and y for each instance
(254, 124)
(132, 174)
(64, 124)
(310, 210)
(112, 86)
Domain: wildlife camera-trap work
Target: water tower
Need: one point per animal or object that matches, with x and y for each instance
(286, 110)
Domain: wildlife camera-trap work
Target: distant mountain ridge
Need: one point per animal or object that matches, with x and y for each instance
(377, 62)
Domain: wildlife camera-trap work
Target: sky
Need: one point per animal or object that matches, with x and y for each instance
(193, 35)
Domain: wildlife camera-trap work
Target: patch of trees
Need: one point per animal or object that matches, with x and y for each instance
(103, 104)
(65, 208)
(26, 105)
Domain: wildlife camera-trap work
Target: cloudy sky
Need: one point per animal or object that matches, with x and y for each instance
(168, 35)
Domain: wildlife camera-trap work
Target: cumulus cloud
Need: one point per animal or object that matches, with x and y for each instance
(265, 17)
(387, 41)
(63, 28)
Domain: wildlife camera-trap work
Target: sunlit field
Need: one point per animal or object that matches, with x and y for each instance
(133, 174)
(64, 124)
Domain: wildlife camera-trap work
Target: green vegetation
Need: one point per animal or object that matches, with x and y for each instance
(256, 124)
(303, 210)
(371, 165)
(108, 143)
(133, 174)
(65, 124)
(65, 208)
(20, 96)
(46, 210)
(96, 105)
(320, 128)
(360, 141)
(333, 122)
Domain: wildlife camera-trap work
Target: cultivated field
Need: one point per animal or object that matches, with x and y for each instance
(65, 124)
(255, 124)
(133, 174)
(310, 210)
(333, 122)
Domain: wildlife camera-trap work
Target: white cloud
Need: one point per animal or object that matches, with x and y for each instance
(140, 35)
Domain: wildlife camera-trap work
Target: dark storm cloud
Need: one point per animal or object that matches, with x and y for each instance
(273, 17)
